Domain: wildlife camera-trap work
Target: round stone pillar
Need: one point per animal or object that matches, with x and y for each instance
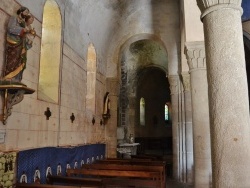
(174, 88)
(200, 114)
(188, 128)
(228, 93)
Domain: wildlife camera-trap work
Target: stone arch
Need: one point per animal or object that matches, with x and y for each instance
(127, 87)
(114, 53)
(50, 58)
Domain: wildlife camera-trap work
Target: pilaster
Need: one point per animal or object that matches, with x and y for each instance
(174, 89)
(188, 128)
(195, 53)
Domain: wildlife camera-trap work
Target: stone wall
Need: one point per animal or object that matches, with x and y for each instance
(27, 126)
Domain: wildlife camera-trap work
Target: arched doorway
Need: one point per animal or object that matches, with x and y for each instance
(155, 136)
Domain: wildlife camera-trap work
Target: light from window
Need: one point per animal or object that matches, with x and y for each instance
(50, 57)
(91, 78)
(166, 113)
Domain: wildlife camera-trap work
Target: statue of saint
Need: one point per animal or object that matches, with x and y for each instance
(18, 41)
(106, 108)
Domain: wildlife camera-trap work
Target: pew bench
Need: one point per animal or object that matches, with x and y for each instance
(122, 177)
(130, 167)
(65, 180)
(131, 161)
(35, 185)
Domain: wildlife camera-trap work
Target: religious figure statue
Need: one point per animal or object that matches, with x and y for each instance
(48, 173)
(30, 36)
(23, 178)
(106, 108)
(19, 39)
(59, 170)
(37, 176)
(20, 35)
(8, 164)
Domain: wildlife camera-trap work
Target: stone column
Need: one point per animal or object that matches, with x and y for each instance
(228, 92)
(174, 88)
(188, 128)
(195, 53)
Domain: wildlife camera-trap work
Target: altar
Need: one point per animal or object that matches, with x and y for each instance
(127, 149)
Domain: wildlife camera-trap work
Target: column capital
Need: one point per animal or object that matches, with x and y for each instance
(174, 84)
(208, 6)
(195, 53)
(186, 81)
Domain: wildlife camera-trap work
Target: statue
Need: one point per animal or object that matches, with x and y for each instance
(106, 108)
(19, 39)
(20, 35)
(37, 176)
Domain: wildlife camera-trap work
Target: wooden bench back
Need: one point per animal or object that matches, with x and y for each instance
(161, 168)
(90, 182)
(35, 185)
(115, 173)
(145, 177)
(131, 167)
(135, 162)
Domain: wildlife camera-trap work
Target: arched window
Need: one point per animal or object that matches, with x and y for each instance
(142, 112)
(91, 78)
(48, 86)
(166, 112)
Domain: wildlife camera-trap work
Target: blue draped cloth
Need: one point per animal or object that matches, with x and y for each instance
(246, 10)
(47, 160)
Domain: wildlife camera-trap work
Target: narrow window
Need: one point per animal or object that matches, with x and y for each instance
(166, 112)
(48, 86)
(91, 78)
(142, 112)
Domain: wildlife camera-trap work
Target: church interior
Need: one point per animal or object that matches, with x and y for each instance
(85, 82)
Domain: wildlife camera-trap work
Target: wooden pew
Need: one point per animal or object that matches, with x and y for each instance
(131, 167)
(65, 180)
(131, 161)
(144, 162)
(122, 159)
(35, 185)
(139, 178)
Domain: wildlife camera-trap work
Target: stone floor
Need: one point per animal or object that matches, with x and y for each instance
(174, 184)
